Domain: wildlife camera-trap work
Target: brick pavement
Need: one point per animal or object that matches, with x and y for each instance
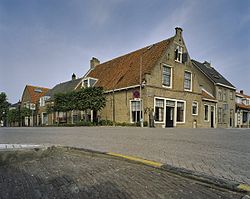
(64, 173)
(224, 153)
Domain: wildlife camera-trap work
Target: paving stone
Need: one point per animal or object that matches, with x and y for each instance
(96, 176)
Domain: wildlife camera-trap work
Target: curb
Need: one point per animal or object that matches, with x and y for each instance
(231, 185)
(201, 177)
(215, 181)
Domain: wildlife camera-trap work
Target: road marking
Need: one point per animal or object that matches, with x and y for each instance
(244, 187)
(147, 162)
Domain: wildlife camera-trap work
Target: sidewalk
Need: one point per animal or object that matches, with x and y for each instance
(68, 173)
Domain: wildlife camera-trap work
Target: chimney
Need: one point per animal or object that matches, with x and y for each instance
(178, 31)
(94, 62)
(241, 91)
(73, 76)
(207, 64)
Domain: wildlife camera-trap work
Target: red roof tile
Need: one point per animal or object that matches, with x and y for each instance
(35, 93)
(242, 106)
(124, 71)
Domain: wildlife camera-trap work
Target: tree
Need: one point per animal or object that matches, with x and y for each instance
(90, 98)
(4, 105)
(13, 116)
(62, 103)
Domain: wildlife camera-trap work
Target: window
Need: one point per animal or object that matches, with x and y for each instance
(43, 100)
(135, 111)
(187, 81)
(244, 118)
(206, 112)
(159, 110)
(195, 108)
(178, 54)
(219, 94)
(231, 95)
(224, 96)
(180, 112)
(88, 82)
(219, 115)
(166, 76)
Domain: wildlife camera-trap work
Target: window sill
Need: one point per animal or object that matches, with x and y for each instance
(158, 122)
(169, 87)
(188, 90)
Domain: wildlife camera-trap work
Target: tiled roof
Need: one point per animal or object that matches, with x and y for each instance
(212, 74)
(243, 95)
(63, 87)
(242, 106)
(36, 92)
(124, 71)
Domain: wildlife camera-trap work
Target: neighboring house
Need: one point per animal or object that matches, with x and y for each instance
(46, 118)
(222, 91)
(242, 111)
(30, 98)
(157, 84)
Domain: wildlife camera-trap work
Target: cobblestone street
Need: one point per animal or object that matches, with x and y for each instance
(224, 153)
(67, 173)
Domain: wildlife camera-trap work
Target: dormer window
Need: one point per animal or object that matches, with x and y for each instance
(178, 54)
(88, 82)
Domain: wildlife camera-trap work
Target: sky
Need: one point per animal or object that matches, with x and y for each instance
(42, 42)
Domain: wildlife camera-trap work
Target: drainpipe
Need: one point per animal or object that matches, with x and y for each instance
(113, 107)
(141, 111)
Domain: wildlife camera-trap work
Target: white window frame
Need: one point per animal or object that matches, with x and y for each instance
(180, 50)
(88, 79)
(130, 109)
(191, 81)
(175, 111)
(197, 104)
(171, 76)
(164, 110)
(184, 113)
(208, 114)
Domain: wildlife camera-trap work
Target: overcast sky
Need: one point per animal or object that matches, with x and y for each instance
(42, 42)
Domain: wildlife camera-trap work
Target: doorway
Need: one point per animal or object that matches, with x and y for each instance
(169, 116)
(212, 116)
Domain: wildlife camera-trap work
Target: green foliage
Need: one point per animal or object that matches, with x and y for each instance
(4, 105)
(91, 98)
(13, 116)
(25, 112)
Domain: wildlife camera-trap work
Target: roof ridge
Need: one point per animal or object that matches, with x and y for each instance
(135, 51)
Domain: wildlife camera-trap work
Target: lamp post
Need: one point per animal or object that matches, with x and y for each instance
(19, 113)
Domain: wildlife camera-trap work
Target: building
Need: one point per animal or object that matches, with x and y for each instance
(30, 99)
(242, 111)
(158, 85)
(44, 118)
(221, 89)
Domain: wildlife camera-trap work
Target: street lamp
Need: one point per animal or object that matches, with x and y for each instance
(19, 113)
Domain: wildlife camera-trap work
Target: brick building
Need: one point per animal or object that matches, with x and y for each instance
(156, 83)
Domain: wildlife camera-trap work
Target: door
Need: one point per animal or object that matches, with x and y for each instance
(169, 116)
(212, 116)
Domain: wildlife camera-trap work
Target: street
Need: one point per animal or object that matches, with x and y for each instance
(223, 153)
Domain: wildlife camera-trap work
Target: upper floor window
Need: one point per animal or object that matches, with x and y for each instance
(43, 100)
(231, 95)
(167, 76)
(195, 108)
(220, 94)
(187, 81)
(88, 82)
(178, 54)
(224, 96)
